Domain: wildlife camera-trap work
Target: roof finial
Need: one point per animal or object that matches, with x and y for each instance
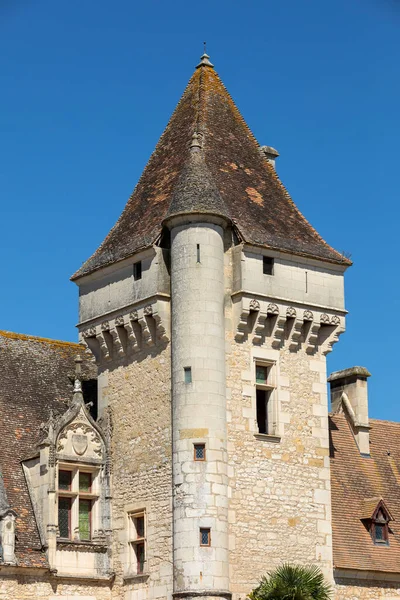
(205, 59)
(78, 373)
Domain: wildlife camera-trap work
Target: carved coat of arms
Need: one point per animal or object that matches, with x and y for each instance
(79, 443)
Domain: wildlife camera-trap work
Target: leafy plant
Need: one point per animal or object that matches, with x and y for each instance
(293, 582)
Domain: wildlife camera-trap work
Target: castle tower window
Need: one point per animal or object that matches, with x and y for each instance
(268, 265)
(137, 270)
(199, 452)
(198, 253)
(205, 536)
(137, 541)
(265, 378)
(188, 374)
(77, 495)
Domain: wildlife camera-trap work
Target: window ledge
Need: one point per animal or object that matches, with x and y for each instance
(268, 437)
(136, 576)
(79, 545)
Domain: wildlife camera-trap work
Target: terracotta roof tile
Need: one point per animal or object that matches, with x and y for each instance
(254, 197)
(357, 481)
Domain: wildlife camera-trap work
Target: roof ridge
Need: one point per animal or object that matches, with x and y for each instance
(34, 338)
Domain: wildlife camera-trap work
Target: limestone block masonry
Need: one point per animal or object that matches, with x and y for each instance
(200, 495)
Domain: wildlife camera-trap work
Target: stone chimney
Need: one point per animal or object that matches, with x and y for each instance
(270, 153)
(349, 394)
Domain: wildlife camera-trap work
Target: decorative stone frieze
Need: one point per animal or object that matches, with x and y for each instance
(129, 332)
(285, 325)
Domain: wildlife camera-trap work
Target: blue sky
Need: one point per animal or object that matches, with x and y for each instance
(88, 87)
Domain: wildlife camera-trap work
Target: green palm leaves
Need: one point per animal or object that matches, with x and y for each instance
(293, 582)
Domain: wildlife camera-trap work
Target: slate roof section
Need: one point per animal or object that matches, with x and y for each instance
(256, 200)
(36, 375)
(357, 481)
(196, 191)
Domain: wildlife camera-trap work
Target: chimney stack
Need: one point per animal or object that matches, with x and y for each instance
(349, 393)
(270, 153)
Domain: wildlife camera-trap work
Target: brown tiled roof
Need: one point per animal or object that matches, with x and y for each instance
(35, 376)
(358, 481)
(256, 200)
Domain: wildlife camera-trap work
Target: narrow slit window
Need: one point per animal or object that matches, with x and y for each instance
(262, 411)
(198, 253)
(265, 384)
(205, 536)
(188, 374)
(268, 265)
(137, 270)
(199, 452)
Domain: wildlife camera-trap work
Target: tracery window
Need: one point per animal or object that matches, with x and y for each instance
(77, 495)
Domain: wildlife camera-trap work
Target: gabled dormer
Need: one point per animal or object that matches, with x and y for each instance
(376, 517)
(69, 482)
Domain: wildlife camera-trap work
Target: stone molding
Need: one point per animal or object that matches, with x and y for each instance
(128, 332)
(282, 324)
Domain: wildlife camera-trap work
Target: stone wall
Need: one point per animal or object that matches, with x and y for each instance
(138, 395)
(280, 505)
(366, 590)
(46, 587)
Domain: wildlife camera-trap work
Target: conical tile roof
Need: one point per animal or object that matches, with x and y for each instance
(237, 171)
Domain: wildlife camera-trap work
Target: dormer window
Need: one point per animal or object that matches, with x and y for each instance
(376, 518)
(380, 529)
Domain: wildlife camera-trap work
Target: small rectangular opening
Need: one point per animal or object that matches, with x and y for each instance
(205, 536)
(263, 397)
(268, 265)
(198, 253)
(188, 374)
(137, 270)
(199, 452)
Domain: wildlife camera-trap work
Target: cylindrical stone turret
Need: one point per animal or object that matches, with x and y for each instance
(200, 501)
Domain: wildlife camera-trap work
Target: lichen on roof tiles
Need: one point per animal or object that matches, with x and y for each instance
(36, 377)
(253, 194)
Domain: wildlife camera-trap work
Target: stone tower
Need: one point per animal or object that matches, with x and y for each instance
(210, 308)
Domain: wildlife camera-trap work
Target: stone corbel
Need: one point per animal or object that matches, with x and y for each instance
(119, 336)
(161, 319)
(242, 328)
(329, 332)
(147, 324)
(104, 339)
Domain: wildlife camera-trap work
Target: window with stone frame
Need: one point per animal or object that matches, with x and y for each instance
(77, 498)
(266, 411)
(137, 541)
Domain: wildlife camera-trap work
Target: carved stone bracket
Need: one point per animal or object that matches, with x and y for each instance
(128, 333)
(278, 324)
